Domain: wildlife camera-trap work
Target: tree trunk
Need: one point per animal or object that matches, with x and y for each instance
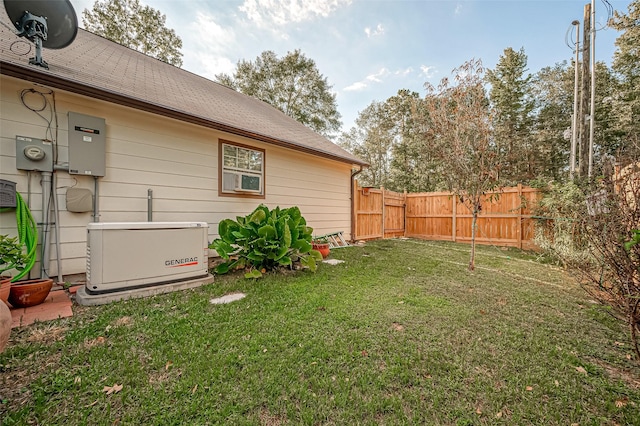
(472, 260)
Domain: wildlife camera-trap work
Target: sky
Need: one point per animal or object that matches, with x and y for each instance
(370, 49)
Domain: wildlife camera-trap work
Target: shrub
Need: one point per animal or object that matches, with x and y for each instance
(265, 240)
(557, 230)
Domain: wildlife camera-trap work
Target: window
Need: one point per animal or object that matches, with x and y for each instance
(241, 170)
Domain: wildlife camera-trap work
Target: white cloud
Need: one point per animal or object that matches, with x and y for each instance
(458, 9)
(371, 78)
(377, 31)
(356, 87)
(428, 71)
(209, 46)
(377, 77)
(208, 31)
(404, 72)
(267, 13)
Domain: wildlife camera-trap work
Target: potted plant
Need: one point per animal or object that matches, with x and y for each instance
(11, 257)
(321, 244)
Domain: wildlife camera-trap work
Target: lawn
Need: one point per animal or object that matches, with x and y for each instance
(401, 333)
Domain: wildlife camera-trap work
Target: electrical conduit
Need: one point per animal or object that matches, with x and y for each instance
(46, 223)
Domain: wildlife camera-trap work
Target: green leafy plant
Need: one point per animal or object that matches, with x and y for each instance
(321, 240)
(11, 254)
(635, 240)
(265, 240)
(558, 215)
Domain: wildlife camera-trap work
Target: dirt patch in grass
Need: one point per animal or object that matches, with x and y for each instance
(123, 321)
(100, 340)
(157, 378)
(269, 419)
(47, 334)
(397, 327)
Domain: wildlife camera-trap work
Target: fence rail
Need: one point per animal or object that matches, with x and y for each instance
(505, 219)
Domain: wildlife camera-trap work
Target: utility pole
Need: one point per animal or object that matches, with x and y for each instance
(583, 125)
(592, 114)
(574, 124)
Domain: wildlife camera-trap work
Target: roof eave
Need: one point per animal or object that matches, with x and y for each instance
(35, 76)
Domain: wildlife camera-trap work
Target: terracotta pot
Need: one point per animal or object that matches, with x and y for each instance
(29, 293)
(323, 248)
(5, 325)
(5, 287)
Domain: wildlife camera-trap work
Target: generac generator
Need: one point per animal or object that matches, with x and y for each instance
(130, 255)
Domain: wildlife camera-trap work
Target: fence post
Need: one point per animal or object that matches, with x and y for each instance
(520, 216)
(383, 210)
(404, 213)
(453, 218)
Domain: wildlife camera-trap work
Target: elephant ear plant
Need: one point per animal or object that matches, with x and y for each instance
(265, 240)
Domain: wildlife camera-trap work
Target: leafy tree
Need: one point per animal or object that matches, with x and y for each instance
(626, 64)
(387, 135)
(552, 89)
(608, 138)
(371, 139)
(292, 84)
(412, 167)
(457, 131)
(512, 105)
(138, 27)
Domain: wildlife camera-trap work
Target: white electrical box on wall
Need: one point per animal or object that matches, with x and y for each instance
(126, 255)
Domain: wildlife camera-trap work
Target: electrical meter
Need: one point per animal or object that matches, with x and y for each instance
(34, 154)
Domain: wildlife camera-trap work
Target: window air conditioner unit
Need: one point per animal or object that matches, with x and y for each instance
(129, 255)
(242, 182)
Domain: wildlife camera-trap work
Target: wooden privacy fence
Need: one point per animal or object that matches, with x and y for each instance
(504, 221)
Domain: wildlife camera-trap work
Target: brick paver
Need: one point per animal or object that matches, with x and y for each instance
(56, 305)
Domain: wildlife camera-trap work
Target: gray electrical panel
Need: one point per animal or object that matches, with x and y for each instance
(87, 145)
(34, 154)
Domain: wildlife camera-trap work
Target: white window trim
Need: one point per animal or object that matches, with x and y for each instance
(240, 173)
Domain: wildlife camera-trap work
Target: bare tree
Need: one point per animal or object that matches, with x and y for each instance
(456, 130)
(609, 225)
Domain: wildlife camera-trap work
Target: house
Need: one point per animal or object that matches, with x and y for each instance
(177, 147)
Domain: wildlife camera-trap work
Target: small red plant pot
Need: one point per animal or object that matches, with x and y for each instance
(29, 293)
(323, 248)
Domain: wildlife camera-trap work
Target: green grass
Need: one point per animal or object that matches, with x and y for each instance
(401, 333)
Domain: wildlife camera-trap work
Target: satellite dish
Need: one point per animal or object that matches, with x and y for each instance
(52, 24)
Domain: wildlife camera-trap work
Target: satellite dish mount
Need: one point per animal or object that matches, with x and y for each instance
(34, 28)
(34, 18)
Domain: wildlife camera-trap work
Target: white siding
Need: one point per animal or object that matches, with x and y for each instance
(177, 161)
